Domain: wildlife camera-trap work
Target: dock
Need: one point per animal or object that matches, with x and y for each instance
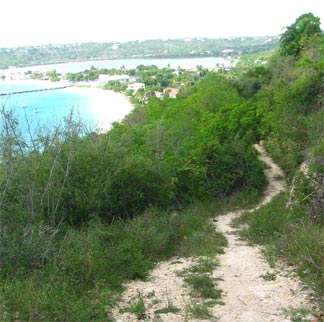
(34, 90)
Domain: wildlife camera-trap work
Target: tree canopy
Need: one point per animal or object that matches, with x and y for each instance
(293, 39)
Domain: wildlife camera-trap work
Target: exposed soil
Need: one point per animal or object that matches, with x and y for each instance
(248, 296)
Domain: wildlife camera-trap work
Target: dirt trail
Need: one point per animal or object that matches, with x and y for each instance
(248, 297)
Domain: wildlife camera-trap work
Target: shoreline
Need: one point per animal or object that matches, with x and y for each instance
(106, 106)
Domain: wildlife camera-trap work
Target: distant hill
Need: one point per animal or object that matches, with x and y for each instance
(187, 47)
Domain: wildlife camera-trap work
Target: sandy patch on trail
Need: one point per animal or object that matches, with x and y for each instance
(163, 288)
(248, 297)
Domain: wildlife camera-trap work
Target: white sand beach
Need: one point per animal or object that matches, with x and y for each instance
(106, 106)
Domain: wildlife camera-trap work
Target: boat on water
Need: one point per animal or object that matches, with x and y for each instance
(23, 105)
(36, 110)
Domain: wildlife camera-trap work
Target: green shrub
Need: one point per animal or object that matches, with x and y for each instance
(270, 222)
(203, 286)
(26, 248)
(51, 299)
(303, 246)
(199, 311)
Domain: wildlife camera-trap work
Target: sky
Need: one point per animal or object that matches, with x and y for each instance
(42, 22)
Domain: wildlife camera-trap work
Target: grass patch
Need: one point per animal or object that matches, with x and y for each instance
(224, 204)
(268, 223)
(199, 311)
(203, 286)
(297, 314)
(269, 276)
(138, 307)
(198, 278)
(166, 310)
(203, 265)
(269, 253)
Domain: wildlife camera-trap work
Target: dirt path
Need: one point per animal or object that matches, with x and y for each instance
(248, 297)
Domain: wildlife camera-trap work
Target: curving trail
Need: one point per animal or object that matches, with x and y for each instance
(248, 297)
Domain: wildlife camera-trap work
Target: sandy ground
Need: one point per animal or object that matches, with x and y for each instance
(163, 288)
(248, 297)
(106, 106)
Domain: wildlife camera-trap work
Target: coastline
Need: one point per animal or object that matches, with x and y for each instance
(106, 106)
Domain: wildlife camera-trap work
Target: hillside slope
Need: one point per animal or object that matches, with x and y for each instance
(248, 297)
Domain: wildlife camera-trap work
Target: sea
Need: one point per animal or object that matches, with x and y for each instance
(43, 109)
(46, 108)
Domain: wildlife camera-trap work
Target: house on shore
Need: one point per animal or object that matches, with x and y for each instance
(173, 92)
(158, 94)
(170, 91)
(135, 86)
(105, 78)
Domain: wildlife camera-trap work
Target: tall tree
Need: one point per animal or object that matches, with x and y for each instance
(292, 40)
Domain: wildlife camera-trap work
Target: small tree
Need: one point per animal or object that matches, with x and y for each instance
(53, 76)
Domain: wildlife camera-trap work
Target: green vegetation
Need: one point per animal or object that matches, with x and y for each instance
(83, 212)
(153, 77)
(195, 47)
(168, 309)
(289, 94)
(199, 310)
(77, 274)
(294, 38)
(138, 307)
(203, 287)
(269, 276)
(298, 314)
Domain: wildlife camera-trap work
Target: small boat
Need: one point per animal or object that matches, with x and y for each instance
(23, 105)
(36, 110)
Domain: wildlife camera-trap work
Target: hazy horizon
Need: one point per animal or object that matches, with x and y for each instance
(36, 23)
(140, 40)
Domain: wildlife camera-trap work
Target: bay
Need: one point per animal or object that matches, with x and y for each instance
(47, 108)
(185, 63)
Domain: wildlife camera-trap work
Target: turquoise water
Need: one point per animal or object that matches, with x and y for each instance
(45, 108)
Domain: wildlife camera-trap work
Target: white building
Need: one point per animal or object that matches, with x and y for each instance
(104, 78)
(135, 87)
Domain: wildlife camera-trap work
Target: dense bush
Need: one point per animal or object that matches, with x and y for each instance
(82, 212)
(178, 154)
